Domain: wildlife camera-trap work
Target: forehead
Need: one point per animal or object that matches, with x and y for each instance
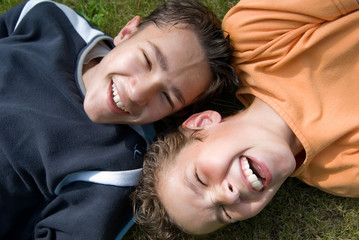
(190, 210)
(171, 36)
(176, 43)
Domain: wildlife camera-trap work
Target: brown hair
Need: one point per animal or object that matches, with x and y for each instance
(150, 212)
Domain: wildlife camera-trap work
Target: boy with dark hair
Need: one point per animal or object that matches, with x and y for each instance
(299, 67)
(62, 79)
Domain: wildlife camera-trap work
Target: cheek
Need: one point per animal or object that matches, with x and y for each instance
(210, 161)
(156, 110)
(210, 169)
(192, 90)
(121, 62)
(246, 210)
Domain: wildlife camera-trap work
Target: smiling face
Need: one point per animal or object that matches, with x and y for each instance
(230, 175)
(150, 74)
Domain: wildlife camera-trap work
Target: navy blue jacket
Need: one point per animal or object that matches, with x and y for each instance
(46, 134)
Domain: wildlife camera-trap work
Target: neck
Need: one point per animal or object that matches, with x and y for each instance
(88, 69)
(267, 119)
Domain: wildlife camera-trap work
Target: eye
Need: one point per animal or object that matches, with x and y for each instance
(148, 61)
(199, 179)
(226, 213)
(169, 100)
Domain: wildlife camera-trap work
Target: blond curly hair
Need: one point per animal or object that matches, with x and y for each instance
(149, 211)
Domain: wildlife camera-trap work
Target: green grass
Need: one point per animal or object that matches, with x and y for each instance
(297, 211)
(111, 15)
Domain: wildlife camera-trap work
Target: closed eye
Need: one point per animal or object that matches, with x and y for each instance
(148, 61)
(226, 213)
(169, 100)
(199, 179)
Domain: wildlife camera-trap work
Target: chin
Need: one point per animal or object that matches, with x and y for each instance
(93, 116)
(95, 119)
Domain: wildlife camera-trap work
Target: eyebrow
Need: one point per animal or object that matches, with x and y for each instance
(159, 56)
(164, 65)
(178, 95)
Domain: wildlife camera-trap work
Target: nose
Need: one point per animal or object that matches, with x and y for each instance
(144, 88)
(227, 193)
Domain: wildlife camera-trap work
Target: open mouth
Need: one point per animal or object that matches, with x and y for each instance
(253, 173)
(117, 99)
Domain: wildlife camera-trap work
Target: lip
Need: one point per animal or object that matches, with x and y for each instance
(111, 103)
(258, 167)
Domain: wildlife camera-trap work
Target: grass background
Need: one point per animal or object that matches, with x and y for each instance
(297, 211)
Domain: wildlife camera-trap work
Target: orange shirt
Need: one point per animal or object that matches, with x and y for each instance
(301, 57)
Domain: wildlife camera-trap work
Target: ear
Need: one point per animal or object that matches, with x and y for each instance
(128, 30)
(202, 120)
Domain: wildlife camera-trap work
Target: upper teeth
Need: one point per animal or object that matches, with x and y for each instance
(251, 177)
(117, 98)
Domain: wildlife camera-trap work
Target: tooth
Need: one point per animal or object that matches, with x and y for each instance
(248, 172)
(246, 165)
(114, 90)
(116, 98)
(245, 161)
(257, 185)
(119, 104)
(252, 178)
